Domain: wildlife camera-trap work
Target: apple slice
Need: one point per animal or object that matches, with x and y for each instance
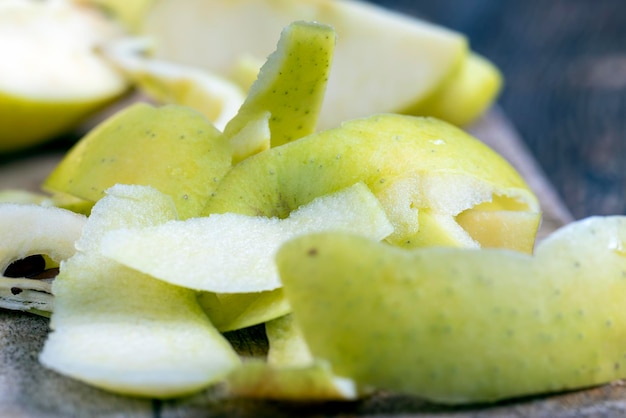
(124, 331)
(384, 61)
(172, 148)
(413, 165)
(233, 253)
(50, 72)
(464, 325)
(466, 95)
(291, 83)
(31, 230)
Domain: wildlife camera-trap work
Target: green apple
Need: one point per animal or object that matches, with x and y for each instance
(124, 331)
(464, 325)
(32, 230)
(413, 165)
(384, 61)
(172, 148)
(51, 78)
(291, 84)
(234, 253)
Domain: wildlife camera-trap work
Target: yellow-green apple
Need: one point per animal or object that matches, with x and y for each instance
(51, 77)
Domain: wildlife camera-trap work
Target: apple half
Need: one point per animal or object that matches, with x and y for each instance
(51, 72)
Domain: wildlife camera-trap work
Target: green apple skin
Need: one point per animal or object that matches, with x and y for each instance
(463, 325)
(291, 84)
(379, 151)
(172, 148)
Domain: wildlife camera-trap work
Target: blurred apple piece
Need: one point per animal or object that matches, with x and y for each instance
(166, 82)
(51, 77)
(384, 61)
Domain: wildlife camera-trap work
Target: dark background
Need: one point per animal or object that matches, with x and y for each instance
(564, 65)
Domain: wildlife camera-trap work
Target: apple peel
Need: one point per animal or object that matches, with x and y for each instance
(233, 253)
(124, 331)
(468, 325)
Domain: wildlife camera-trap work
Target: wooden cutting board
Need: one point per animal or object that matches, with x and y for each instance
(30, 391)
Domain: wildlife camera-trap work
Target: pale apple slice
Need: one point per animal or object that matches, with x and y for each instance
(129, 13)
(50, 71)
(166, 82)
(412, 164)
(233, 253)
(466, 95)
(464, 325)
(124, 331)
(291, 84)
(173, 148)
(384, 61)
(32, 230)
(290, 372)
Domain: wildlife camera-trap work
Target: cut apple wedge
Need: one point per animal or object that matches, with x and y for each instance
(290, 372)
(31, 230)
(124, 331)
(166, 82)
(384, 61)
(464, 325)
(412, 164)
(50, 72)
(467, 94)
(233, 253)
(173, 148)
